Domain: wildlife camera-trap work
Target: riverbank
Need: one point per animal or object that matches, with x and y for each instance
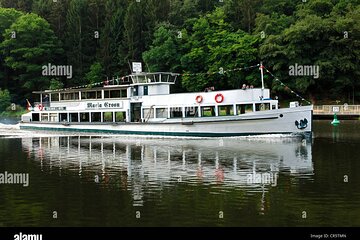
(12, 114)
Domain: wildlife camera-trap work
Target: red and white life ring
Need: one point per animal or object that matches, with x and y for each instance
(219, 98)
(41, 107)
(199, 99)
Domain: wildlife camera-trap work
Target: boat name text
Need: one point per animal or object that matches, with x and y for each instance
(104, 105)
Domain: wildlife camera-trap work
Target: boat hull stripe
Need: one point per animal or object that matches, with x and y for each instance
(181, 134)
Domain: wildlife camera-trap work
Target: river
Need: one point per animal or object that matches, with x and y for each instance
(95, 180)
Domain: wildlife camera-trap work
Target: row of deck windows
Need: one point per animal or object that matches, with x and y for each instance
(204, 111)
(95, 94)
(80, 117)
(149, 113)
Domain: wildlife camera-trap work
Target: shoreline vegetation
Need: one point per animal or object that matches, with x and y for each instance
(12, 114)
(312, 47)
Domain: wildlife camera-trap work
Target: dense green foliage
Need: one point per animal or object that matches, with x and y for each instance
(99, 38)
(4, 99)
(32, 46)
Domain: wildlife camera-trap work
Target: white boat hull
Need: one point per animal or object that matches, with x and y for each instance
(277, 121)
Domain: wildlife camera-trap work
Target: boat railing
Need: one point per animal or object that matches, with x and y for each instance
(338, 109)
(43, 104)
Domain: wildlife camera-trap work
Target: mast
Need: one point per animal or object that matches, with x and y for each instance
(262, 75)
(262, 80)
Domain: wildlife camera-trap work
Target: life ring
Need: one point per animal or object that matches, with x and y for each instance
(198, 98)
(219, 98)
(41, 107)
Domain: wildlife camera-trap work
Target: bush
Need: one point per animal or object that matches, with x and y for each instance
(5, 99)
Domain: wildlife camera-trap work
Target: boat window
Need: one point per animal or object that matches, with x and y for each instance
(84, 117)
(191, 112)
(115, 94)
(108, 116)
(53, 117)
(161, 113)
(69, 96)
(208, 111)
(63, 117)
(226, 110)
(91, 95)
(123, 93)
(44, 117)
(55, 97)
(95, 117)
(262, 106)
(244, 108)
(74, 117)
(120, 116)
(146, 90)
(35, 117)
(176, 112)
(136, 91)
(148, 113)
(118, 93)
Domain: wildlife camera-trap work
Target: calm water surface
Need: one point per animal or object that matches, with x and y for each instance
(92, 180)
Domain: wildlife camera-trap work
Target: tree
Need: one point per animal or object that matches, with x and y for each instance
(318, 38)
(95, 74)
(182, 10)
(22, 5)
(285, 7)
(5, 99)
(134, 39)
(35, 45)
(111, 55)
(54, 13)
(55, 84)
(213, 46)
(164, 54)
(242, 13)
(7, 17)
(74, 40)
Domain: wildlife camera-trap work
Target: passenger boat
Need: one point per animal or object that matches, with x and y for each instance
(141, 104)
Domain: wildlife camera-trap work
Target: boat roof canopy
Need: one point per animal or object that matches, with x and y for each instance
(132, 79)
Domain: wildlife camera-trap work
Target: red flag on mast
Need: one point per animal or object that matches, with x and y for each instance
(28, 105)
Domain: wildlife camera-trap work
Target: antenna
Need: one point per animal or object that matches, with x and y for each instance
(147, 66)
(130, 66)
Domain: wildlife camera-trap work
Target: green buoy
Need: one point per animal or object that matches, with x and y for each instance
(335, 121)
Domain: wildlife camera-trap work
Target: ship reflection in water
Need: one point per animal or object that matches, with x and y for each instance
(139, 165)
